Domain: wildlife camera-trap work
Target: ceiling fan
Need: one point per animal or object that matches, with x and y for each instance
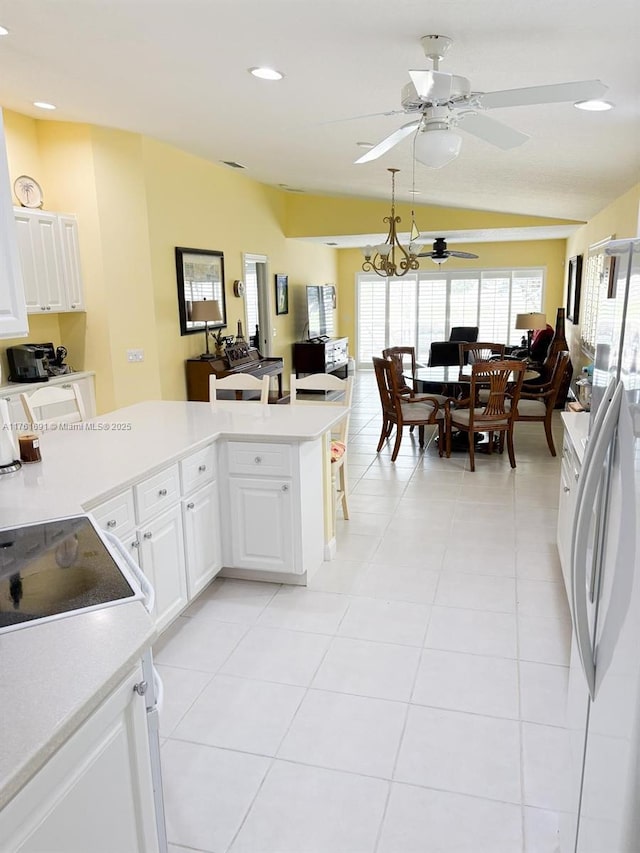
(440, 253)
(445, 102)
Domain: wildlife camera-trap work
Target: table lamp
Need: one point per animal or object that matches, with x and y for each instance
(206, 311)
(531, 322)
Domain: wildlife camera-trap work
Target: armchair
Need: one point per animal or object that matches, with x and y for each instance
(537, 402)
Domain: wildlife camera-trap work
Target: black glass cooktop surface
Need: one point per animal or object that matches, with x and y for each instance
(56, 568)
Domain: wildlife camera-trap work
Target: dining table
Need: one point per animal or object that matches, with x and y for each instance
(449, 377)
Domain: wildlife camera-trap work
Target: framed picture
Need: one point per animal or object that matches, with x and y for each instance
(200, 275)
(574, 280)
(282, 294)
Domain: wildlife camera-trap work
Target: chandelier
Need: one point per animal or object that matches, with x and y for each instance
(381, 259)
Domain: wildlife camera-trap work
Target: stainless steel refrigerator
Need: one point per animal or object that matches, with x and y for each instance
(603, 814)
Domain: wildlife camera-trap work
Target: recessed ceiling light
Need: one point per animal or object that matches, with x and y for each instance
(4, 31)
(594, 106)
(364, 144)
(266, 73)
(43, 105)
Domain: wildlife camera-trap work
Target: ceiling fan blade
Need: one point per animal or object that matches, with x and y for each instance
(462, 254)
(495, 132)
(428, 255)
(582, 90)
(388, 143)
(367, 115)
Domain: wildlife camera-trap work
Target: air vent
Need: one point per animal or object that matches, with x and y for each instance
(233, 164)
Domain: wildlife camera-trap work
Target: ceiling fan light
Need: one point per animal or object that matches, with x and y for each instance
(436, 148)
(440, 261)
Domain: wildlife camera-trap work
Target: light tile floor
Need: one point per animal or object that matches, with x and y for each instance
(410, 700)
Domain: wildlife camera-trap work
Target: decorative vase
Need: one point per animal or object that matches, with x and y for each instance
(559, 344)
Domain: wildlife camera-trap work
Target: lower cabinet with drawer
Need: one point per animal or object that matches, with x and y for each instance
(170, 524)
(271, 508)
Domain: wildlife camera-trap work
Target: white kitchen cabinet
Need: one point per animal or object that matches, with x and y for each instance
(13, 314)
(96, 792)
(161, 557)
(569, 475)
(262, 524)
(201, 521)
(272, 507)
(50, 261)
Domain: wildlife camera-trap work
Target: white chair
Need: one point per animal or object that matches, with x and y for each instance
(239, 382)
(337, 392)
(54, 404)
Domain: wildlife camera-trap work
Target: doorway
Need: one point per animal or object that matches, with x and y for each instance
(257, 302)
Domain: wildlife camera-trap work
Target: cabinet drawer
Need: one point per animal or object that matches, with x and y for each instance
(198, 469)
(156, 493)
(252, 458)
(116, 515)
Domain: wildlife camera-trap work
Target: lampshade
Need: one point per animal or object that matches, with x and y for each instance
(205, 311)
(532, 320)
(437, 147)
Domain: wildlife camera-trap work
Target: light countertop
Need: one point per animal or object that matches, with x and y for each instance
(8, 389)
(54, 675)
(82, 463)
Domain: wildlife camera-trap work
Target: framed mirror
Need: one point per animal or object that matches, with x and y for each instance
(200, 275)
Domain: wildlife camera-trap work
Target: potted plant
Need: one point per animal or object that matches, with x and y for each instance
(218, 340)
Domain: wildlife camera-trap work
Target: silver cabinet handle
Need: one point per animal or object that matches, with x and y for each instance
(67, 385)
(73, 305)
(566, 489)
(147, 535)
(202, 468)
(135, 544)
(162, 493)
(43, 307)
(48, 307)
(258, 460)
(285, 488)
(111, 523)
(140, 688)
(191, 505)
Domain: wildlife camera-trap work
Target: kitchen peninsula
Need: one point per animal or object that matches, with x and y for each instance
(189, 488)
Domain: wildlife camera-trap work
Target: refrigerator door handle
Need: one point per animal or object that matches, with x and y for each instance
(591, 481)
(158, 690)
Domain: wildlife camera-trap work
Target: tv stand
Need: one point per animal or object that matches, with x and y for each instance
(321, 355)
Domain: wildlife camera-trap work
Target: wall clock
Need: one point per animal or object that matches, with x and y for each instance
(238, 287)
(28, 191)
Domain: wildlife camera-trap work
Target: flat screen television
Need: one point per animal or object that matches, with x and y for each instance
(320, 311)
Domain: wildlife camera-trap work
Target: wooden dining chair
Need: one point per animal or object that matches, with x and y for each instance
(503, 380)
(402, 407)
(537, 403)
(407, 363)
(240, 383)
(327, 389)
(54, 404)
(469, 353)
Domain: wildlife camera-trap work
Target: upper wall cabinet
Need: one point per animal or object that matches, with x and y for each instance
(48, 250)
(13, 316)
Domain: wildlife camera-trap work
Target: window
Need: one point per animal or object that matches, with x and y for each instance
(420, 308)
(594, 288)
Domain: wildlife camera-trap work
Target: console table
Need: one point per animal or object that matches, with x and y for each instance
(321, 356)
(200, 369)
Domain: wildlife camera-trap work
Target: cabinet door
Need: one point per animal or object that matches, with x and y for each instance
(200, 515)
(13, 314)
(96, 792)
(162, 560)
(71, 274)
(40, 254)
(262, 524)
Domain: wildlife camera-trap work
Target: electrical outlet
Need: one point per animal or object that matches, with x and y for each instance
(135, 355)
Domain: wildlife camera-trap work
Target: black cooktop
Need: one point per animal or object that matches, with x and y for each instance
(56, 568)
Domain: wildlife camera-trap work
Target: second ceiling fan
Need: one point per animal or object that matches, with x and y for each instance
(445, 102)
(440, 253)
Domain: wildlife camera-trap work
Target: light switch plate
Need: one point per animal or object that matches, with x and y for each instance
(135, 355)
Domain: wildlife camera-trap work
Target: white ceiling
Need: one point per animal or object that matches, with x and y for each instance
(176, 70)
